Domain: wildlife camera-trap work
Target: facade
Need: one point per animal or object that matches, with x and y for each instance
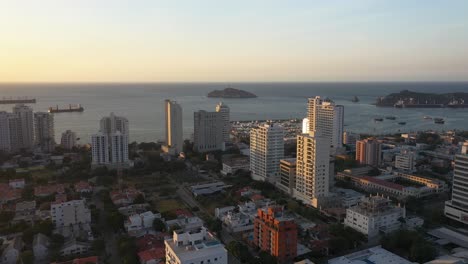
(350, 138)
(276, 233)
(197, 246)
(287, 181)
(208, 131)
(68, 140)
(312, 169)
(231, 166)
(266, 151)
(70, 213)
(405, 161)
(457, 207)
(44, 131)
(174, 128)
(5, 140)
(25, 132)
(374, 214)
(110, 145)
(369, 151)
(73, 247)
(224, 110)
(326, 119)
(40, 247)
(138, 222)
(12, 251)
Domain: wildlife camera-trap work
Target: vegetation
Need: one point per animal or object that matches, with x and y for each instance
(344, 238)
(159, 225)
(409, 244)
(127, 250)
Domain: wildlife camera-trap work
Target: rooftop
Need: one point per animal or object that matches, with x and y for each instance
(375, 255)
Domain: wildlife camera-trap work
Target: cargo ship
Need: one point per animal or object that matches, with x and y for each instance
(18, 100)
(71, 108)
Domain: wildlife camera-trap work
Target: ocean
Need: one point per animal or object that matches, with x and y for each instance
(143, 104)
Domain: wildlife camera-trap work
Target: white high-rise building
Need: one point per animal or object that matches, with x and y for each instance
(70, 213)
(111, 124)
(110, 145)
(305, 126)
(312, 169)
(44, 131)
(457, 208)
(266, 151)
(25, 129)
(197, 246)
(68, 140)
(100, 149)
(208, 131)
(225, 112)
(326, 119)
(174, 129)
(119, 148)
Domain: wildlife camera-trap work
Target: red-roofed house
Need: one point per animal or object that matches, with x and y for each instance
(16, 183)
(8, 194)
(83, 187)
(152, 256)
(183, 212)
(46, 190)
(124, 197)
(87, 260)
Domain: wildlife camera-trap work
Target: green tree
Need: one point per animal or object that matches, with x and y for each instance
(159, 225)
(27, 257)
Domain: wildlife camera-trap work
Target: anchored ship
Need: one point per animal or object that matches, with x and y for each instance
(71, 108)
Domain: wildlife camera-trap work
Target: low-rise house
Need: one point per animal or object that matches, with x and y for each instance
(25, 211)
(40, 247)
(124, 197)
(83, 187)
(74, 247)
(137, 223)
(11, 253)
(86, 260)
(208, 188)
(134, 209)
(47, 190)
(152, 256)
(16, 183)
(8, 194)
(231, 166)
(376, 255)
(185, 223)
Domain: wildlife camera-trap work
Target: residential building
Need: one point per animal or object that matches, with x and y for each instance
(266, 151)
(208, 131)
(40, 246)
(110, 145)
(312, 169)
(5, 135)
(74, 247)
(25, 129)
(276, 233)
(457, 207)
(25, 211)
(16, 183)
(85, 260)
(348, 197)
(12, 251)
(350, 138)
(326, 119)
(231, 166)
(186, 223)
(405, 160)
(305, 125)
(68, 140)
(44, 131)
(224, 110)
(369, 151)
(139, 222)
(197, 246)
(287, 181)
(376, 255)
(70, 213)
(238, 218)
(375, 214)
(174, 128)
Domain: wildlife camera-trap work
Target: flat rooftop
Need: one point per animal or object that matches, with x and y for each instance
(375, 255)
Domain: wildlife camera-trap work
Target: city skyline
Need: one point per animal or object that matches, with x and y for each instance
(149, 41)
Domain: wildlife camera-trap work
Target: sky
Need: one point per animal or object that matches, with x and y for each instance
(233, 41)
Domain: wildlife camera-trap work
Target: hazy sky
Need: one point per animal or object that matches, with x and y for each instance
(236, 40)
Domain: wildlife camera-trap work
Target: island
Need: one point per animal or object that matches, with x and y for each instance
(409, 99)
(231, 93)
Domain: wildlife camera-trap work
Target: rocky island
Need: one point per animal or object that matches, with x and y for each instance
(231, 93)
(409, 99)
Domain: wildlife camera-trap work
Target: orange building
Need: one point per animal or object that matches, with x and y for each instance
(276, 233)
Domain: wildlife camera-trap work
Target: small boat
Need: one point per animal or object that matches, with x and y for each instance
(355, 99)
(390, 117)
(427, 117)
(402, 123)
(439, 121)
(379, 119)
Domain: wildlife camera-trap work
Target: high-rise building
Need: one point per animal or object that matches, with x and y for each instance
(350, 138)
(457, 207)
(5, 141)
(25, 128)
(44, 131)
(305, 125)
(312, 169)
(208, 131)
(68, 140)
(405, 160)
(224, 110)
(369, 151)
(266, 151)
(111, 124)
(276, 233)
(110, 145)
(174, 130)
(195, 246)
(287, 181)
(100, 149)
(326, 119)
